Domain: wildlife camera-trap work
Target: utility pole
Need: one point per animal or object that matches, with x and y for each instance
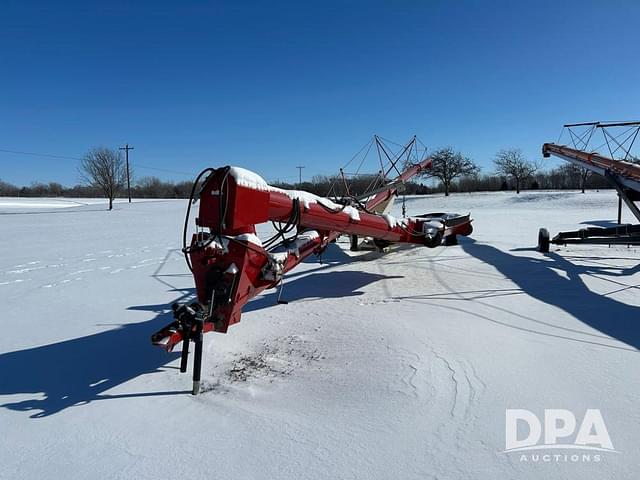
(300, 174)
(126, 149)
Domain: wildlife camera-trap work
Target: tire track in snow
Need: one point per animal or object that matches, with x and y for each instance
(407, 376)
(463, 388)
(458, 390)
(464, 392)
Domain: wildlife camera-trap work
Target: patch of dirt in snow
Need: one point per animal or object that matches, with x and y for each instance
(277, 358)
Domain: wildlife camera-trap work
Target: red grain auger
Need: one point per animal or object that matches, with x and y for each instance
(231, 265)
(623, 173)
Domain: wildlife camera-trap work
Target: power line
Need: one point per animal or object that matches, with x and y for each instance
(65, 157)
(39, 154)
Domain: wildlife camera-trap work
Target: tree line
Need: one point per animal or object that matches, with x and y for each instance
(456, 172)
(103, 174)
(146, 187)
(452, 171)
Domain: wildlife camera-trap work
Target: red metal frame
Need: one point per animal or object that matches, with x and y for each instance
(230, 265)
(595, 162)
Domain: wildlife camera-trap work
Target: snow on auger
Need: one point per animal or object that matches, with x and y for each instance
(231, 265)
(623, 173)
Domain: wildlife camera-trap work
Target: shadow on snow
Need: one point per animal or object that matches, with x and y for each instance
(79, 371)
(535, 277)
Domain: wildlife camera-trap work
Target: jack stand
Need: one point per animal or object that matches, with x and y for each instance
(192, 325)
(197, 359)
(184, 357)
(279, 301)
(354, 243)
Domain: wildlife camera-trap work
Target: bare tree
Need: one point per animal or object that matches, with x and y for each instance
(104, 168)
(447, 165)
(577, 174)
(8, 190)
(512, 163)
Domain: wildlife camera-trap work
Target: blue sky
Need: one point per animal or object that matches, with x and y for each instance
(272, 85)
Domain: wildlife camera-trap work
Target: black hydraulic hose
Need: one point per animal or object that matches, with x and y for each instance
(292, 222)
(186, 218)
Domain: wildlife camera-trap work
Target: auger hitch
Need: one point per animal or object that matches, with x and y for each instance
(191, 320)
(187, 327)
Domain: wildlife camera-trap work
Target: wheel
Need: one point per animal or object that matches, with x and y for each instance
(451, 240)
(433, 242)
(381, 244)
(543, 240)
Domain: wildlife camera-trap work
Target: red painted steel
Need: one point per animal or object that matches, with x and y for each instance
(230, 265)
(594, 161)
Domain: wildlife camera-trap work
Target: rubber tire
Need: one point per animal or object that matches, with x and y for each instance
(381, 244)
(433, 242)
(451, 240)
(543, 240)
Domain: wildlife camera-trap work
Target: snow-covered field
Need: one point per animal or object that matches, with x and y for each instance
(396, 366)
